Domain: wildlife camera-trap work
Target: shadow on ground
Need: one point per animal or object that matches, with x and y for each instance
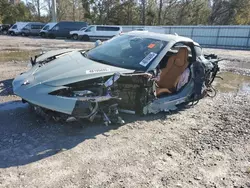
(26, 137)
(6, 87)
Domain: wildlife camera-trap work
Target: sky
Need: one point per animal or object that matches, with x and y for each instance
(43, 12)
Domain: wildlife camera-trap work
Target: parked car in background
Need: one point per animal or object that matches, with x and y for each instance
(99, 32)
(32, 28)
(16, 28)
(4, 28)
(74, 34)
(62, 29)
(46, 28)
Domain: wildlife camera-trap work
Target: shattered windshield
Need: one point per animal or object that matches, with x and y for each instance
(127, 51)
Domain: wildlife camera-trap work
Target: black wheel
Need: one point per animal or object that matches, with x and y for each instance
(75, 37)
(5, 32)
(85, 38)
(23, 34)
(12, 33)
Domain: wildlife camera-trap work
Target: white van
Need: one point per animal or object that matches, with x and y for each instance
(45, 29)
(17, 27)
(99, 32)
(74, 34)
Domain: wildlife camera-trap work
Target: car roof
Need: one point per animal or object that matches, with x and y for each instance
(51, 23)
(159, 36)
(36, 23)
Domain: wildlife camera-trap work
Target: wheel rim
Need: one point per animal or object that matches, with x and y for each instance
(75, 37)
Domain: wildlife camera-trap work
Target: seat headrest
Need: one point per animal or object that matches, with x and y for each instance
(183, 51)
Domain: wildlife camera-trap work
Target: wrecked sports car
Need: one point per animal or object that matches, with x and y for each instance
(137, 73)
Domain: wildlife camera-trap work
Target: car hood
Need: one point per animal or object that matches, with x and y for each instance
(70, 67)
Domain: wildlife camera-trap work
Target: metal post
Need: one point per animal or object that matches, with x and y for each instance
(217, 37)
(54, 13)
(248, 40)
(192, 33)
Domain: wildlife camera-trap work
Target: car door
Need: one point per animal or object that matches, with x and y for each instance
(55, 31)
(90, 31)
(101, 32)
(111, 32)
(33, 29)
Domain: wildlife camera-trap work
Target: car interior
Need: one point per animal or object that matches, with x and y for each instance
(171, 67)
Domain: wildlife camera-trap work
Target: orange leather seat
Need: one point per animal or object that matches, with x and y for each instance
(170, 75)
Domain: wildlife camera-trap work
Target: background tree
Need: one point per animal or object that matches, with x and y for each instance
(11, 13)
(132, 12)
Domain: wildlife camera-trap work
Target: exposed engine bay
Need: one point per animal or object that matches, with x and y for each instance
(93, 88)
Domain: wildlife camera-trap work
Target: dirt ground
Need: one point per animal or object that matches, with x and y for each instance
(204, 146)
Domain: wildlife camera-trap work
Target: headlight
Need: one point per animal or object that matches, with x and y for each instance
(28, 80)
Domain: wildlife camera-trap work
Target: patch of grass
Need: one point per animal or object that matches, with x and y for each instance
(6, 56)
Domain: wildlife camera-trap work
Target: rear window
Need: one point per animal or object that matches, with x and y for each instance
(100, 28)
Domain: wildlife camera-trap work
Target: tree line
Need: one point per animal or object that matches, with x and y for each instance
(131, 12)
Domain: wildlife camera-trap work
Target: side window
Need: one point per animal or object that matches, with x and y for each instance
(14, 27)
(26, 27)
(45, 27)
(110, 28)
(98, 28)
(56, 28)
(34, 26)
(114, 28)
(90, 29)
(38, 26)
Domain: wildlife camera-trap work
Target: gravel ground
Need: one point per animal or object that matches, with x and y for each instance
(207, 145)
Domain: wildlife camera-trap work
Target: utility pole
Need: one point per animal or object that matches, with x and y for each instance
(54, 14)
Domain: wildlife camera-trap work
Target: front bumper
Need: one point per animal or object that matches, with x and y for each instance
(15, 32)
(38, 94)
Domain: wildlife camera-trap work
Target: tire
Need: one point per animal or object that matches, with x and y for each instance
(85, 38)
(5, 32)
(12, 33)
(75, 37)
(23, 34)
